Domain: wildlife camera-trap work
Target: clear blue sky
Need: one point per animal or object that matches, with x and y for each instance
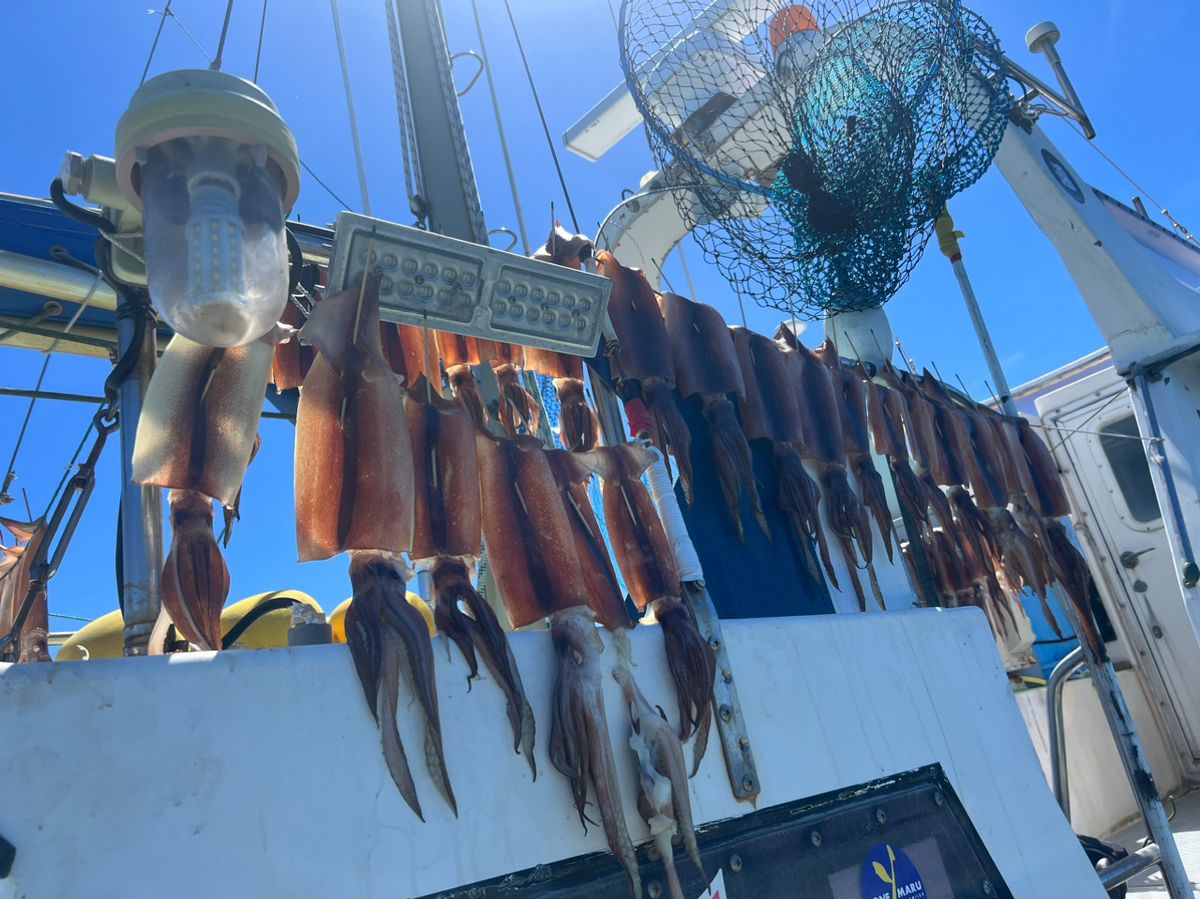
(69, 69)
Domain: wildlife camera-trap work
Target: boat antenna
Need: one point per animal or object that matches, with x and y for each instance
(216, 63)
(542, 115)
(162, 23)
(262, 28)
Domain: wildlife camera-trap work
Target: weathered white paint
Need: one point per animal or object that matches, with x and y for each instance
(259, 773)
(1101, 798)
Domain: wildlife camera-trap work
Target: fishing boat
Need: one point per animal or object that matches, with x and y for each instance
(643, 601)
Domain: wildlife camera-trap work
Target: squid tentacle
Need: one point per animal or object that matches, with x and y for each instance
(579, 746)
(735, 469)
(518, 407)
(798, 497)
(578, 426)
(392, 635)
(693, 666)
(481, 630)
(875, 498)
(466, 391)
(195, 581)
(670, 431)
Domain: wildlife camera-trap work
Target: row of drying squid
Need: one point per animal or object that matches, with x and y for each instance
(387, 468)
(981, 488)
(390, 472)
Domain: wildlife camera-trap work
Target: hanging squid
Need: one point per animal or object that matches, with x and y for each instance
(518, 409)
(578, 429)
(706, 365)
(16, 577)
(459, 354)
(931, 467)
(354, 493)
(769, 411)
(643, 355)
(648, 565)
(534, 558)
(446, 530)
(663, 799)
(851, 386)
(196, 435)
(848, 518)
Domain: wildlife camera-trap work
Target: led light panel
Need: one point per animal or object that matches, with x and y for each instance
(465, 288)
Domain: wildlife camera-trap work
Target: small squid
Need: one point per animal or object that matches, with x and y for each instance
(196, 435)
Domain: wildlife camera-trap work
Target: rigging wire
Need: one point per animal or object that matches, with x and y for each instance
(542, 115)
(354, 135)
(512, 178)
(262, 28)
(162, 23)
(216, 63)
(328, 189)
(1183, 229)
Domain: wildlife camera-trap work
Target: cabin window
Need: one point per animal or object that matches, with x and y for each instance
(1126, 455)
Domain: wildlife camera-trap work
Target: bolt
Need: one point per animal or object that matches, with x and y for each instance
(715, 643)
(748, 783)
(987, 887)
(725, 712)
(815, 836)
(880, 816)
(652, 853)
(735, 863)
(727, 676)
(938, 797)
(743, 743)
(654, 889)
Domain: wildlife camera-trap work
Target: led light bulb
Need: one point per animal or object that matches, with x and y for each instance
(216, 245)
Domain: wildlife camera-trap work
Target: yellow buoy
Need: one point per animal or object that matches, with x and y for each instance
(104, 638)
(337, 618)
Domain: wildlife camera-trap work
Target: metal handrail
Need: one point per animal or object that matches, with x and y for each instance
(1067, 665)
(1114, 874)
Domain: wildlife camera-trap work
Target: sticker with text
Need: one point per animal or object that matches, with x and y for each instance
(888, 873)
(716, 889)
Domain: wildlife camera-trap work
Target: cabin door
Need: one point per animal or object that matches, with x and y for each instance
(1095, 439)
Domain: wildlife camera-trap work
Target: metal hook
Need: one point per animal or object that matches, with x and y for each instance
(470, 84)
(510, 232)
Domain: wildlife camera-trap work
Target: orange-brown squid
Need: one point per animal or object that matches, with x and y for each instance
(533, 552)
(706, 365)
(647, 563)
(446, 530)
(354, 493)
(196, 435)
(643, 354)
(16, 579)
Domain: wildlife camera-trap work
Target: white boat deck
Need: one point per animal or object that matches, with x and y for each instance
(1185, 823)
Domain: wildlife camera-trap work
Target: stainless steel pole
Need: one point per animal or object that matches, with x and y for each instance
(1059, 783)
(948, 243)
(141, 507)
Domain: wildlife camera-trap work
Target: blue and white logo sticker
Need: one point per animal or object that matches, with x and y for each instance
(888, 873)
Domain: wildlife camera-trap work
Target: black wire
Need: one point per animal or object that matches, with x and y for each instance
(84, 216)
(243, 624)
(216, 63)
(154, 46)
(542, 115)
(262, 27)
(328, 189)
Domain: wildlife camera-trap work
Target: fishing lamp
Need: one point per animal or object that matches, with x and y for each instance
(214, 171)
(466, 288)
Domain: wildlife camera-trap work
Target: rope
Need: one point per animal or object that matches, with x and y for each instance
(354, 136)
(512, 178)
(162, 23)
(542, 115)
(262, 28)
(10, 474)
(216, 63)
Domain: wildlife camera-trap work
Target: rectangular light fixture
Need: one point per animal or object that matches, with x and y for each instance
(465, 288)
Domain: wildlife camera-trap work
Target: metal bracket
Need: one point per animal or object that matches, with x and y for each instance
(731, 726)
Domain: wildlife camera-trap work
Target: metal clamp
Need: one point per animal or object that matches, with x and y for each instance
(731, 725)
